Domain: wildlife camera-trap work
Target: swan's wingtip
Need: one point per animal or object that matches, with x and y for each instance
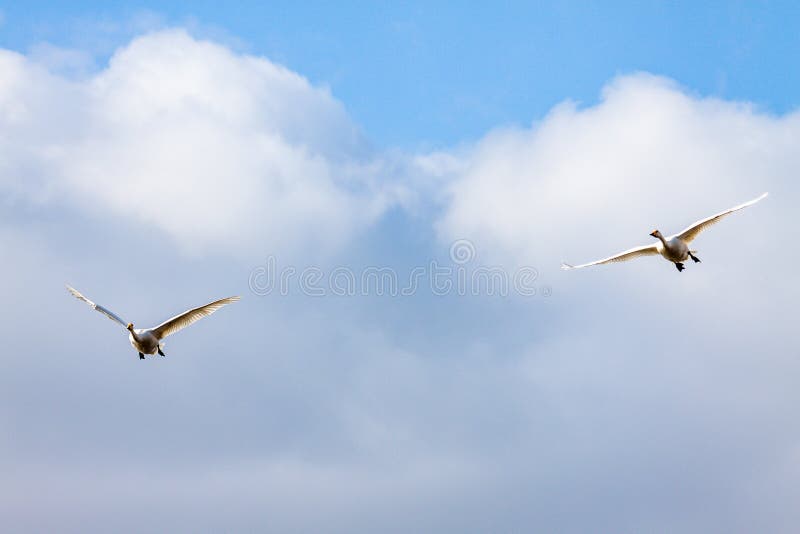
(566, 266)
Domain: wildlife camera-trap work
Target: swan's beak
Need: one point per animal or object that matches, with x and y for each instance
(130, 326)
(653, 233)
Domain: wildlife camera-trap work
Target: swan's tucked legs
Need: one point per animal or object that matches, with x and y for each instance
(679, 266)
(141, 356)
(694, 258)
(161, 353)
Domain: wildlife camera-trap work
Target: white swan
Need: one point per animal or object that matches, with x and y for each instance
(148, 340)
(674, 248)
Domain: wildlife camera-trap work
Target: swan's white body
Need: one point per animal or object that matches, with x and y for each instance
(674, 248)
(149, 340)
(144, 341)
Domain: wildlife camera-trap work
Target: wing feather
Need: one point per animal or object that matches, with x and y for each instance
(692, 231)
(105, 311)
(645, 250)
(181, 321)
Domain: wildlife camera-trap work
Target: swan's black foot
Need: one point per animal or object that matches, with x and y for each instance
(161, 353)
(679, 266)
(141, 356)
(694, 258)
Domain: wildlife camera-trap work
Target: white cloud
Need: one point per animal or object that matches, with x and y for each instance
(439, 414)
(633, 362)
(586, 183)
(214, 149)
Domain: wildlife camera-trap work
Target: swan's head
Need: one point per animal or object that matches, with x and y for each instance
(130, 327)
(655, 233)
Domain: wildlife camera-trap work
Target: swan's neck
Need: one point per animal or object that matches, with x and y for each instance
(661, 238)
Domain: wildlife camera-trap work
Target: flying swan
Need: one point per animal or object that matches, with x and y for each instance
(674, 248)
(148, 340)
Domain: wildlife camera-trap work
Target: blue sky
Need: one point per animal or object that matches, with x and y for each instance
(433, 74)
(158, 156)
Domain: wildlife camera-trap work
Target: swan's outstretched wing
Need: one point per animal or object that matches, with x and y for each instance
(646, 250)
(108, 313)
(690, 233)
(188, 317)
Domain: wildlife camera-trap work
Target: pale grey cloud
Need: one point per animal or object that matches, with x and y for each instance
(634, 398)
